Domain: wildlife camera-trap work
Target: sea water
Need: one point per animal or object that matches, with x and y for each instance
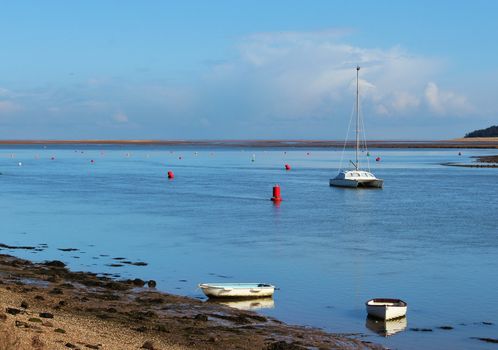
(429, 237)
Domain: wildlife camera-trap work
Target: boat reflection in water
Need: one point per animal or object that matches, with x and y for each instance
(386, 328)
(247, 304)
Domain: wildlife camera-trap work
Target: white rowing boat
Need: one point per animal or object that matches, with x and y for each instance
(386, 309)
(237, 290)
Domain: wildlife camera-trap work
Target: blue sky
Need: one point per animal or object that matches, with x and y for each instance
(246, 69)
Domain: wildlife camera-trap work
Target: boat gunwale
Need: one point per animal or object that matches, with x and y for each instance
(394, 302)
(236, 286)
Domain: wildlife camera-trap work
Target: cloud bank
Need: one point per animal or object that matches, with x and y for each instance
(282, 84)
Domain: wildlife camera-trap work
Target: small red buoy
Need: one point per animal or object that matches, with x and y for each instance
(377, 159)
(171, 175)
(287, 167)
(276, 194)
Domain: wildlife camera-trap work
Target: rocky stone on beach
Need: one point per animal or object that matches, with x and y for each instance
(56, 291)
(137, 282)
(201, 317)
(21, 324)
(151, 284)
(54, 263)
(148, 345)
(13, 311)
(46, 315)
(283, 345)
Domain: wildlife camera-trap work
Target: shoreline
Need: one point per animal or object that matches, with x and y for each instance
(46, 306)
(455, 143)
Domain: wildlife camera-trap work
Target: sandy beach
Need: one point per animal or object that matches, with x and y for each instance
(46, 306)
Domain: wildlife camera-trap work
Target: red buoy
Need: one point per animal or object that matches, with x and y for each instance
(287, 167)
(377, 159)
(276, 194)
(171, 175)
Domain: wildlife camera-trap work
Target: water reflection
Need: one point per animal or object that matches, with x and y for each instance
(386, 328)
(251, 304)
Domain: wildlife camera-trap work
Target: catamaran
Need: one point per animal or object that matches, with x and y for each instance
(357, 177)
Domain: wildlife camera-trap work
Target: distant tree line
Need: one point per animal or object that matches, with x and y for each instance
(492, 131)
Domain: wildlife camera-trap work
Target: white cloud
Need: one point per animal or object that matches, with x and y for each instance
(120, 117)
(446, 102)
(299, 75)
(4, 92)
(7, 107)
(275, 84)
(404, 100)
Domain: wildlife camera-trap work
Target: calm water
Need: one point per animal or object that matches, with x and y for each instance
(429, 237)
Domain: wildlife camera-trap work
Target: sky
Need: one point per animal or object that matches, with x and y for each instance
(104, 69)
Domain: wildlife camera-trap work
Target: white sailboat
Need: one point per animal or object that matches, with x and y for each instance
(357, 177)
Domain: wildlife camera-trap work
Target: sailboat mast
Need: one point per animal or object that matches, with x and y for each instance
(357, 118)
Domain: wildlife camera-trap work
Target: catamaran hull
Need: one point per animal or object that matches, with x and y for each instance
(356, 184)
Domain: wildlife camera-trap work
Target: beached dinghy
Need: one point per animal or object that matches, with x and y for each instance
(386, 309)
(237, 290)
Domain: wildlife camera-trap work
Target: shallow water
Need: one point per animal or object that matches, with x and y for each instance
(429, 237)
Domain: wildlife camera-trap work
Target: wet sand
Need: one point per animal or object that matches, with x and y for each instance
(46, 306)
(491, 142)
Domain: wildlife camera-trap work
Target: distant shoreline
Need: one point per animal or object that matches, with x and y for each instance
(491, 142)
